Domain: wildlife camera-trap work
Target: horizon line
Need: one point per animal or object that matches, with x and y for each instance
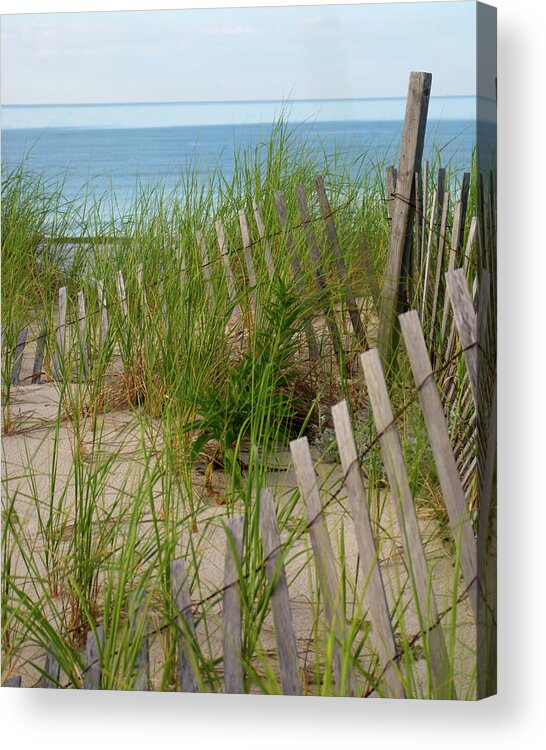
(234, 101)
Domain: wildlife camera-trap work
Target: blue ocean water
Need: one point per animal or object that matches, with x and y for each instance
(107, 148)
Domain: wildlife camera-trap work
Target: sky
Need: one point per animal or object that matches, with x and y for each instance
(306, 52)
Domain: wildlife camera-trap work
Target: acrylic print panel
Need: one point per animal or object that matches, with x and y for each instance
(249, 350)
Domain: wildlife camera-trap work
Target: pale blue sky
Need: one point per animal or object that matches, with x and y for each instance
(243, 53)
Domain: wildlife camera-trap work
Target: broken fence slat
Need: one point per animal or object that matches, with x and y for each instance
(231, 607)
(280, 602)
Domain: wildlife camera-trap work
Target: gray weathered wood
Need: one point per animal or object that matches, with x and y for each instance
(371, 572)
(181, 596)
(393, 459)
(103, 310)
(14, 681)
(424, 209)
(18, 357)
(39, 357)
(439, 265)
(247, 245)
(269, 262)
(141, 667)
(205, 265)
(411, 151)
(348, 294)
(280, 602)
(391, 188)
(297, 272)
(324, 557)
(418, 225)
(453, 254)
(122, 294)
(318, 273)
(92, 679)
(52, 670)
(424, 292)
(466, 322)
(228, 273)
(60, 339)
(444, 459)
(232, 621)
(140, 287)
(82, 330)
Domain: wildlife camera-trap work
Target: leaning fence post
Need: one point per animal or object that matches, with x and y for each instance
(231, 610)
(413, 137)
(280, 602)
(324, 557)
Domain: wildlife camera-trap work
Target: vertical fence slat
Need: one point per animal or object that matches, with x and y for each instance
(452, 262)
(354, 314)
(371, 572)
(103, 310)
(466, 322)
(439, 265)
(407, 519)
(318, 273)
(269, 262)
(205, 264)
(411, 151)
(324, 557)
(18, 358)
(92, 679)
(122, 294)
(428, 254)
(297, 272)
(181, 597)
(280, 602)
(52, 670)
(39, 357)
(247, 245)
(60, 339)
(444, 459)
(391, 188)
(82, 329)
(231, 608)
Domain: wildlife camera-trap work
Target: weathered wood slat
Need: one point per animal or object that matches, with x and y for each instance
(60, 339)
(228, 273)
(391, 188)
(466, 322)
(452, 262)
(411, 151)
(82, 330)
(14, 681)
(348, 294)
(444, 459)
(39, 357)
(424, 296)
(439, 266)
(18, 358)
(231, 609)
(393, 459)
(247, 245)
(92, 679)
(269, 262)
(205, 265)
(181, 597)
(324, 558)
(318, 273)
(371, 572)
(122, 294)
(297, 272)
(52, 670)
(103, 310)
(280, 602)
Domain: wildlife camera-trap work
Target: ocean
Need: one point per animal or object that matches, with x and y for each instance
(106, 149)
